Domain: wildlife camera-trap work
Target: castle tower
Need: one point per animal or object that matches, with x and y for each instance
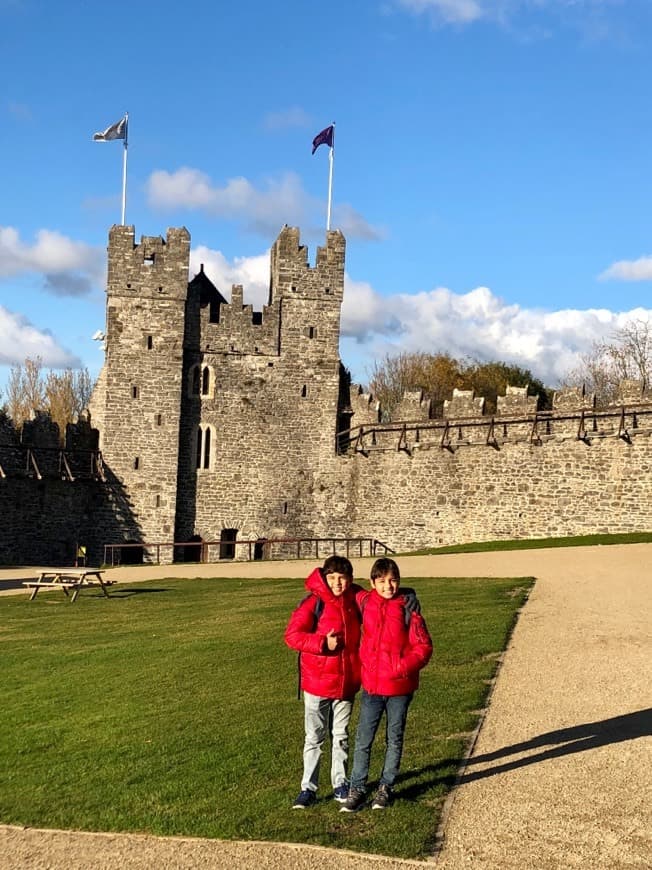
(139, 401)
(261, 398)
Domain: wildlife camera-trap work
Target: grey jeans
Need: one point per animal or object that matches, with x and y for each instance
(324, 716)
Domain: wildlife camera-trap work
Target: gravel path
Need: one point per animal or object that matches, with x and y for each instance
(561, 772)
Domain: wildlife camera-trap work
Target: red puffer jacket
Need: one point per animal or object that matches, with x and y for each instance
(325, 673)
(392, 653)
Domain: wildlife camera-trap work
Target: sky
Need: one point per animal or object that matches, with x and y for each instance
(491, 172)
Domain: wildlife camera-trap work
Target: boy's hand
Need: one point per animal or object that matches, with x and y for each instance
(410, 601)
(332, 640)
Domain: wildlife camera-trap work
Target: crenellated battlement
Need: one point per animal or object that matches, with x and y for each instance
(156, 267)
(517, 420)
(292, 275)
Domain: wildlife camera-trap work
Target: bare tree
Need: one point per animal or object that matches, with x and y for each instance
(63, 395)
(626, 355)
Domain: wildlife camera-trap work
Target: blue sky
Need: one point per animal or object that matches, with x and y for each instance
(492, 169)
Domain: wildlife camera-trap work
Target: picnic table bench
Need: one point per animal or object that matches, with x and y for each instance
(68, 579)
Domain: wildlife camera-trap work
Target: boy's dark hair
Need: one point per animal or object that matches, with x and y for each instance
(385, 566)
(337, 565)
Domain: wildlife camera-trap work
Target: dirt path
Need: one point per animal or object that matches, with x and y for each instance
(561, 772)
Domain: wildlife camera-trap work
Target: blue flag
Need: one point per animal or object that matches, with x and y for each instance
(326, 137)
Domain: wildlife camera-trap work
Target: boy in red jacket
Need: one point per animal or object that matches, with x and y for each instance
(395, 646)
(325, 629)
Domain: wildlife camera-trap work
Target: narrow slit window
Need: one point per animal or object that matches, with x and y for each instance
(311, 332)
(134, 392)
(206, 459)
(205, 381)
(150, 342)
(304, 391)
(194, 385)
(136, 463)
(159, 419)
(158, 501)
(285, 507)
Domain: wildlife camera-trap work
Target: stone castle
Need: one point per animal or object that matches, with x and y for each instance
(213, 425)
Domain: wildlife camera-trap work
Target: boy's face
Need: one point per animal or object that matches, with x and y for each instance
(338, 583)
(386, 585)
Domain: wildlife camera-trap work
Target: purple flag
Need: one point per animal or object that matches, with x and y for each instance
(326, 137)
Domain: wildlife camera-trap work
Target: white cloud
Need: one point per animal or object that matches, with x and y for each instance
(449, 11)
(629, 270)
(477, 324)
(587, 15)
(20, 339)
(285, 118)
(70, 268)
(282, 201)
(251, 272)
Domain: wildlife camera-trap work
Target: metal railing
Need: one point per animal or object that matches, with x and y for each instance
(245, 551)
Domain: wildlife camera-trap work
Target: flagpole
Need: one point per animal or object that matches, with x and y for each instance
(330, 181)
(124, 170)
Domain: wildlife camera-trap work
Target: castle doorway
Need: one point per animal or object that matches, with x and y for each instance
(259, 549)
(227, 543)
(193, 551)
(131, 554)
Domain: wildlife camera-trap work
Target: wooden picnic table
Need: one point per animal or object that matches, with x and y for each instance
(68, 579)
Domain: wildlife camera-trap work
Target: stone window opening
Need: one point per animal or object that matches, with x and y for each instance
(150, 342)
(327, 290)
(201, 378)
(311, 332)
(158, 501)
(285, 507)
(148, 259)
(136, 463)
(304, 391)
(203, 444)
(134, 392)
(159, 419)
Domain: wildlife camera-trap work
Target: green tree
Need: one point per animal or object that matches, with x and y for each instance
(438, 374)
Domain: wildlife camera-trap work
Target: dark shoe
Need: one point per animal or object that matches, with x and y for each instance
(382, 798)
(305, 799)
(355, 801)
(341, 793)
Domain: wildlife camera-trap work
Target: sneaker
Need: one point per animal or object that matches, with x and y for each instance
(306, 799)
(382, 798)
(341, 793)
(355, 801)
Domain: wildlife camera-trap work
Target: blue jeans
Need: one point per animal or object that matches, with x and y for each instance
(324, 715)
(372, 708)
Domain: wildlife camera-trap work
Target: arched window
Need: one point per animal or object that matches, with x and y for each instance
(203, 446)
(201, 378)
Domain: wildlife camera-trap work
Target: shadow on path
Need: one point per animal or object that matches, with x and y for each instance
(564, 741)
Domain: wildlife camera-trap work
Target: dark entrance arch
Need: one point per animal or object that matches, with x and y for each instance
(227, 543)
(193, 551)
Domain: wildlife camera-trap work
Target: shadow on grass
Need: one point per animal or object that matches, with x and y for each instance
(564, 741)
(127, 593)
(430, 776)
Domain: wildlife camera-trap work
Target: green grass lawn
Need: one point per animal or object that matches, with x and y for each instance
(538, 543)
(171, 708)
